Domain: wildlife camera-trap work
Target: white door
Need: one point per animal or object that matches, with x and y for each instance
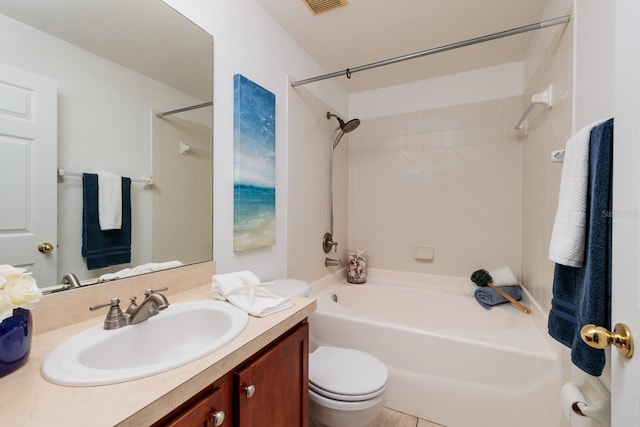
(625, 373)
(28, 162)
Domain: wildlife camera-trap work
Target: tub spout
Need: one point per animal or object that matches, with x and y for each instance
(70, 281)
(330, 262)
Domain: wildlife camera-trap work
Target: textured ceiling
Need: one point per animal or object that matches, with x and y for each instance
(147, 36)
(366, 31)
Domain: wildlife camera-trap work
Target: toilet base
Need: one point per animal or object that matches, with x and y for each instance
(322, 416)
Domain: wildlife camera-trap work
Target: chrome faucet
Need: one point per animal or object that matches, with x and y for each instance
(153, 303)
(70, 281)
(329, 262)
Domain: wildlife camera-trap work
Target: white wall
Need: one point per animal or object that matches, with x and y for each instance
(104, 124)
(249, 42)
(594, 61)
(500, 81)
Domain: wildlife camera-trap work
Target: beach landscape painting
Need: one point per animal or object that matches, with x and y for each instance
(254, 166)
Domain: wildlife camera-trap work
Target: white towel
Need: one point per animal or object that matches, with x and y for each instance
(140, 269)
(567, 242)
(243, 289)
(109, 201)
(501, 277)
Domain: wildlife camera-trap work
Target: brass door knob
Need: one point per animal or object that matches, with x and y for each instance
(598, 337)
(45, 248)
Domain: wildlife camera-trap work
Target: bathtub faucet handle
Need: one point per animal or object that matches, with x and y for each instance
(328, 243)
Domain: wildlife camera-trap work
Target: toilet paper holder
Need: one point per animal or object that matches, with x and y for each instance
(600, 412)
(596, 404)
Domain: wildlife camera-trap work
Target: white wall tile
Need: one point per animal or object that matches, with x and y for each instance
(548, 131)
(455, 185)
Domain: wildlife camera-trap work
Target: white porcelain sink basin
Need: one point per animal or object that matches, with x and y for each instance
(176, 336)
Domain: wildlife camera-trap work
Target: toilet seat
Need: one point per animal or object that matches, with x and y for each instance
(346, 375)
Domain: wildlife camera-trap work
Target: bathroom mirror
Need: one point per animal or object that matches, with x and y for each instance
(116, 65)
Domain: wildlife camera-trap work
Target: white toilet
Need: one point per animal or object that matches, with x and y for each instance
(346, 387)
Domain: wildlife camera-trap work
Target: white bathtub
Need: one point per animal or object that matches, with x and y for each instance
(449, 360)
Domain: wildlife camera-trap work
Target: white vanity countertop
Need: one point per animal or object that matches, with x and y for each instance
(30, 400)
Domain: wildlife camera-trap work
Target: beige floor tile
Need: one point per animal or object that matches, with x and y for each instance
(391, 418)
(425, 423)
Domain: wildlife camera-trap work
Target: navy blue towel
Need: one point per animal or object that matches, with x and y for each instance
(583, 295)
(109, 247)
(488, 297)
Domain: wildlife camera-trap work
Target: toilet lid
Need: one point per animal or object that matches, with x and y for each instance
(346, 374)
(292, 287)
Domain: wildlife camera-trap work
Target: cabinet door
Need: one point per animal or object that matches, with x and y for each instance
(272, 390)
(211, 410)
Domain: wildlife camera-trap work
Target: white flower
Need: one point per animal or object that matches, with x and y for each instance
(17, 289)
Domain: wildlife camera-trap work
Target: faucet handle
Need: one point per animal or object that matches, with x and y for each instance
(115, 317)
(132, 306)
(113, 303)
(152, 291)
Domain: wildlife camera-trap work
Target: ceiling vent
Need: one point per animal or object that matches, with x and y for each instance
(320, 6)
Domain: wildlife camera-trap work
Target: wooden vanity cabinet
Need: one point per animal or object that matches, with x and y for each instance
(212, 407)
(270, 389)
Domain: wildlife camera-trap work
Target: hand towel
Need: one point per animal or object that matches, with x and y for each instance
(568, 236)
(223, 284)
(488, 297)
(501, 277)
(110, 201)
(243, 289)
(583, 295)
(109, 247)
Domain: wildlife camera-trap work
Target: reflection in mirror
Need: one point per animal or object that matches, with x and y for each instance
(115, 66)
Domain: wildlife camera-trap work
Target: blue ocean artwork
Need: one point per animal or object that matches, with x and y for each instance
(254, 165)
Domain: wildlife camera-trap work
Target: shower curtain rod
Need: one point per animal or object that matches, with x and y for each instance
(180, 110)
(506, 33)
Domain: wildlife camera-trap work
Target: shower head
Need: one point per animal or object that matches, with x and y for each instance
(347, 127)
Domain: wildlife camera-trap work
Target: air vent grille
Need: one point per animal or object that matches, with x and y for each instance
(321, 6)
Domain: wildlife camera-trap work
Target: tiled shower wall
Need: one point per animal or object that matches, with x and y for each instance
(548, 131)
(449, 178)
(310, 139)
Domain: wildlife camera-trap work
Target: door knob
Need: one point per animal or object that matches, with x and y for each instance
(45, 247)
(599, 337)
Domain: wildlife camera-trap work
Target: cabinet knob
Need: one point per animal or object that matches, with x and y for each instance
(217, 418)
(249, 390)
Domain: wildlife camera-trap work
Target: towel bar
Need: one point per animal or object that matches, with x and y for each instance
(146, 180)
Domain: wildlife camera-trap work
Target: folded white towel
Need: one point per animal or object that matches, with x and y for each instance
(567, 242)
(243, 289)
(109, 201)
(501, 277)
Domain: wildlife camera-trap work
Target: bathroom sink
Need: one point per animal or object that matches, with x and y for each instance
(178, 335)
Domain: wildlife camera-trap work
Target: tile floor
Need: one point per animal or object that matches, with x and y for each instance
(391, 418)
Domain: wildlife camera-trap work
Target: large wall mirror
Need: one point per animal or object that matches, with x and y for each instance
(116, 66)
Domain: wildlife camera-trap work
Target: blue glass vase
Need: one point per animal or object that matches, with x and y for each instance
(15, 340)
